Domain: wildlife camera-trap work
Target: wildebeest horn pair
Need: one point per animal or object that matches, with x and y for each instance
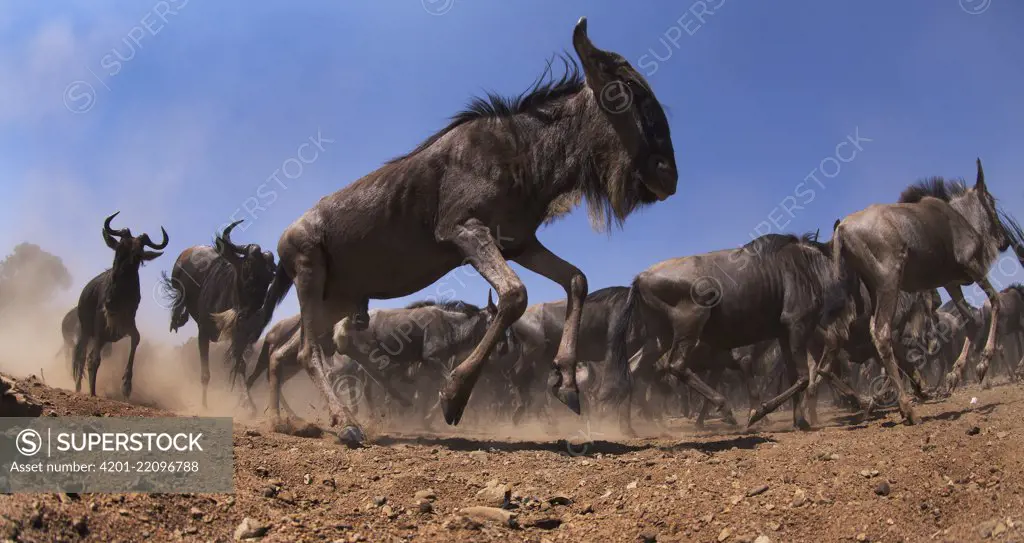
(109, 233)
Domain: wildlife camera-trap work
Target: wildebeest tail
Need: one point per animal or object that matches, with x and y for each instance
(626, 320)
(245, 330)
(845, 283)
(175, 297)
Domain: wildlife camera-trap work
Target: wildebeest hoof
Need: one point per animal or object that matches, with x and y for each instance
(802, 425)
(909, 417)
(126, 389)
(453, 408)
(570, 397)
(729, 419)
(351, 436)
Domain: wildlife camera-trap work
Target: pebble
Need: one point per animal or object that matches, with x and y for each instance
(755, 491)
(81, 526)
(632, 486)
(250, 529)
(425, 494)
(425, 506)
(648, 537)
(478, 455)
(379, 500)
(799, 498)
(307, 479)
(867, 474)
(882, 489)
(494, 495)
(763, 539)
(724, 534)
(973, 431)
(489, 514)
(196, 512)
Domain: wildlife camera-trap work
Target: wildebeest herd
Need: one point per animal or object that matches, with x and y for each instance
(477, 191)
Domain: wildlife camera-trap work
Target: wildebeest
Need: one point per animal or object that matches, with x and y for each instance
(206, 281)
(424, 334)
(1010, 327)
(476, 192)
(776, 286)
(107, 305)
(939, 234)
(912, 320)
(69, 328)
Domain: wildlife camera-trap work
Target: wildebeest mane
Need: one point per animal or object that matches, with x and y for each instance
(544, 90)
(1018, 287)
(457, 306)
(608, 294)
(935, 187)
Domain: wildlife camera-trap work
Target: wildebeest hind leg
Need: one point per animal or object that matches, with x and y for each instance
(680, 351)
(95, 350)
(539, 259)
(477, 244)
(993, 328)
(881, 333)
(956, 372)
(284, 354)
(317, 342)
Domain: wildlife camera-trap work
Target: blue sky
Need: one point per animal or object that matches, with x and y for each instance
(195, 105)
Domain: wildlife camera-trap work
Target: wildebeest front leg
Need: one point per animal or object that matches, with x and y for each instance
(126, 380)
(956, 372)
(993, 328)
(477, 244)
(279, 357)
(204, 362)
(95, 352)
(537, 258)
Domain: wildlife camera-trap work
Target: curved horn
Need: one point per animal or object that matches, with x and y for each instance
(161, 245)
(981, 175)
(581, 41)
(490, 302)
(226, 235)
(106, 225)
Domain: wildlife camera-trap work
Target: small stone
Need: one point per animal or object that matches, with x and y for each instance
(195, 512)
(735, 500)
(775, 526)
(757, 490)
(862, 536)
(799, 498)
(706, 519)
(559, 499)
(81, 526)
(270, 491)
(426, 494)
(587, 509)
(882, 489)
(973, 431)
(478, 455)
(252, 433)
(307, 479)
(250, 529)
(1002, 435)
(724, 534)
(388, 511)
(425, 506)
(763, 539)
(648, 537)
(494, 496)
(671, 479)
(632, 486)
(547, 523)
(379, 500)
(999, 530)
(489, 515)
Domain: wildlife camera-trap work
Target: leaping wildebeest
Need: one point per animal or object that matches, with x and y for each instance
(939, 234)
(777, 286)
(107, 305)
(206, 281)
(476, 192)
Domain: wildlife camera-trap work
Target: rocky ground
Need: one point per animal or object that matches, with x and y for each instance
(955, 477)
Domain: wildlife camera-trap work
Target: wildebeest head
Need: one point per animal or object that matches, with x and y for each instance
(131, 250)
(985, 206)
(254, 268)
(628, 102)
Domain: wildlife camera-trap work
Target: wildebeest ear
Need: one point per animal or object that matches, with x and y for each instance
(980, 183)
(150, 255)
(225, 251)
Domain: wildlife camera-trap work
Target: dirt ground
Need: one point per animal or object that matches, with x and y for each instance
(955, 477)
